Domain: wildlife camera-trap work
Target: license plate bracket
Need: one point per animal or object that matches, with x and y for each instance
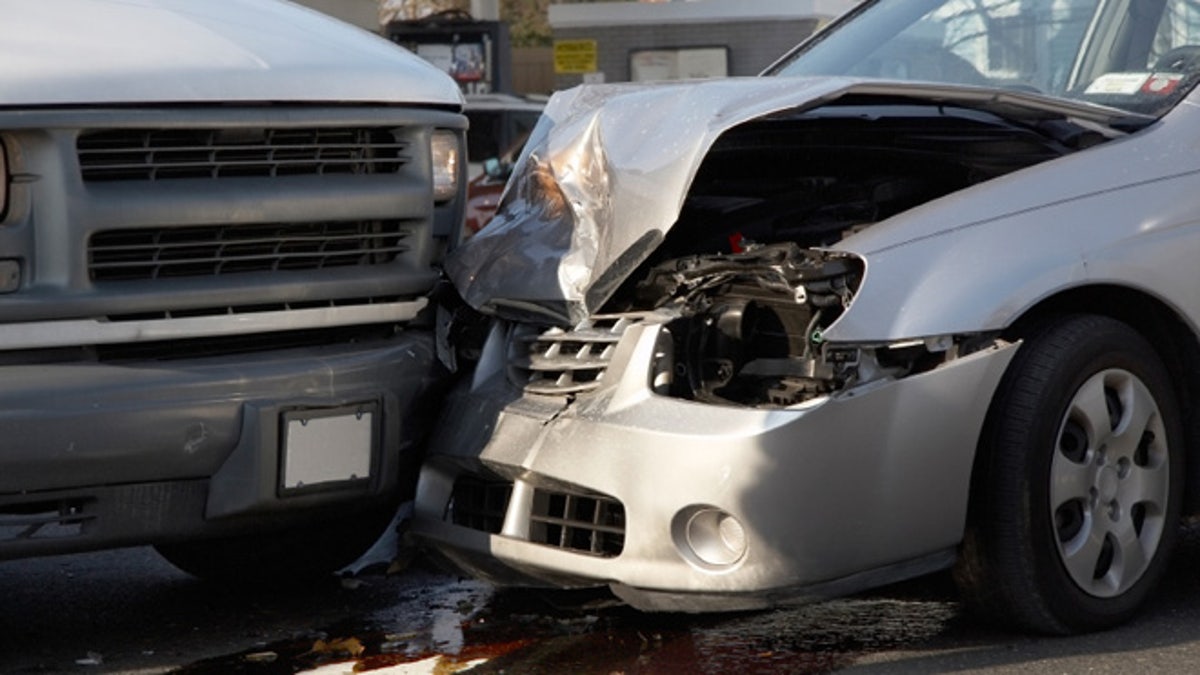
(323, 448)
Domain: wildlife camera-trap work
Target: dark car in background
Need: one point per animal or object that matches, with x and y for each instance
(500, 124)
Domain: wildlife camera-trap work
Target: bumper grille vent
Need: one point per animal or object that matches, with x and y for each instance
(162, 154)
(479, 503)
(205, 251)
(586, 523)
(560, 362)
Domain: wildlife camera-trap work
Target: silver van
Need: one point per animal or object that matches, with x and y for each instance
(218, 224)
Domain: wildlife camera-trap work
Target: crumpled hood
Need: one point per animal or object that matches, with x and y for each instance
(601, 180)
(87, 52)
(605, 173)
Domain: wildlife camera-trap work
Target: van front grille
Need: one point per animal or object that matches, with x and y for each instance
(212, 250)
(163, 154)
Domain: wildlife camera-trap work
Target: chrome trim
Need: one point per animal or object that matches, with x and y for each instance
(82, 332)
(560, 361)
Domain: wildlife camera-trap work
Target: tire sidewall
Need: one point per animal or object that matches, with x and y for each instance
(1112, 346)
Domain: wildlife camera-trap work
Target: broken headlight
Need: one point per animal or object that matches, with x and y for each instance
(751, 324)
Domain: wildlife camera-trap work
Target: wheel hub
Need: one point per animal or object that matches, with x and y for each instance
(1108, 482)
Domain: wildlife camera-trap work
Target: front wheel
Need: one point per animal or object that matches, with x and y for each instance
(1078, 484)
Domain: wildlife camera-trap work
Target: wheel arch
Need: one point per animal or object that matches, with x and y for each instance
(1171, 337)
(1011, 566)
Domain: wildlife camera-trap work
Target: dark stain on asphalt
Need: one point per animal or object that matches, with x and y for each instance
(478, 630)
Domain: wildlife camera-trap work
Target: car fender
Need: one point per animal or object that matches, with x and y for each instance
(1123, 214)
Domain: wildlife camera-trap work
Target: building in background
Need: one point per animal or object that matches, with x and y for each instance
(475, 53)
(601, 41)
(644, 41)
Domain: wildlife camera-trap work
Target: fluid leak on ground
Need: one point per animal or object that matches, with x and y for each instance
(452, 625)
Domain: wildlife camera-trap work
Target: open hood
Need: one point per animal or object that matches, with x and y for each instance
(606, 172)
(97, 52)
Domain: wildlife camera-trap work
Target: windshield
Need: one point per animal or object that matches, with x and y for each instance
(1142, 56)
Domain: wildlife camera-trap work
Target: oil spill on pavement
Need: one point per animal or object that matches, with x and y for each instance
(813, 639)
(455, 625)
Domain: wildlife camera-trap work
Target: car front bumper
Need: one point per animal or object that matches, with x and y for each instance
(107, 454)
(616, 487)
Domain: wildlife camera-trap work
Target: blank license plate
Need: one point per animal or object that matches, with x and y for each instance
(327, 447)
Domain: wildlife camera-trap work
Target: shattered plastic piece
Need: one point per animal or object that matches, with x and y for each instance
(352, 584)
(92, 659)
(385, 549)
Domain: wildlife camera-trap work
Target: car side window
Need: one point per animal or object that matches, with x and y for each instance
(1176, 46)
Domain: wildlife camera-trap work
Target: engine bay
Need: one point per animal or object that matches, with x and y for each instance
(747, 268)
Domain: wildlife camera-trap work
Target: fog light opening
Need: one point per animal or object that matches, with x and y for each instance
(709, 536)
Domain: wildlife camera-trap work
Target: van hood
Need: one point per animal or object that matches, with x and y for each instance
(606, 172)
(102, 52)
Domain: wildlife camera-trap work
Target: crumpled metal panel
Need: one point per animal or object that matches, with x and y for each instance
(601, 179)
(605, 172)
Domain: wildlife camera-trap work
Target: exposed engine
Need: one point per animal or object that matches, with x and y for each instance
(743, 266)
(751, 321)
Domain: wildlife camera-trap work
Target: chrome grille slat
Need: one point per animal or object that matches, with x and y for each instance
(563, 362)
(250, 240)
(240, 163)
(278, 259)
(551, 364)
(154, 253)
(160, 154)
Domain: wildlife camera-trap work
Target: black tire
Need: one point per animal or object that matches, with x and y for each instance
(271, 559)
(1084, 554)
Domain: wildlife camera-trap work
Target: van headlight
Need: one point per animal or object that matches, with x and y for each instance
(445, 150)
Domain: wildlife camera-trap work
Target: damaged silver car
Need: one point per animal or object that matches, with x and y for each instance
(922, 297)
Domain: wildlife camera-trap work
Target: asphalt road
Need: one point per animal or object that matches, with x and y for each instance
(129, 612)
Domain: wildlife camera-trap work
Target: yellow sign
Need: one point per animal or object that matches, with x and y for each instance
(574, 57)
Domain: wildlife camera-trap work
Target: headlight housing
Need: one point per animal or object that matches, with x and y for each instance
(446, 157)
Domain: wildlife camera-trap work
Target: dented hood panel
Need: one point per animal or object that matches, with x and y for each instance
(623, 157)
(605, 173)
